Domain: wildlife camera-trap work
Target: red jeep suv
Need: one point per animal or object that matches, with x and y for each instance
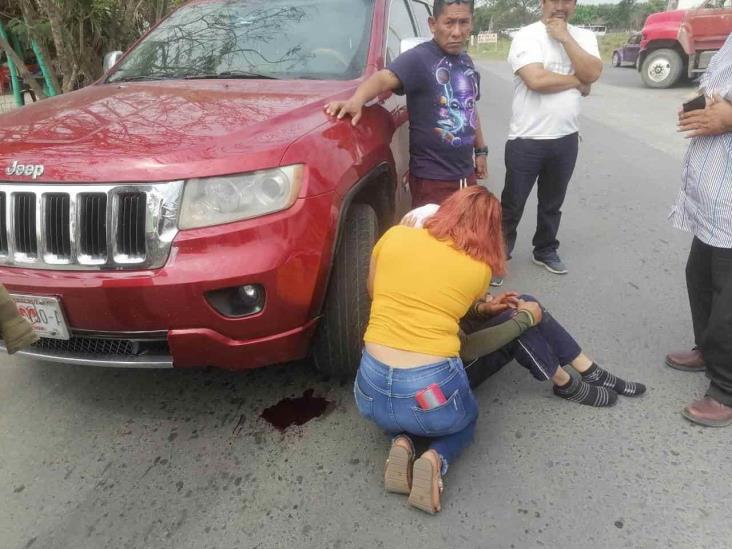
(196, 206)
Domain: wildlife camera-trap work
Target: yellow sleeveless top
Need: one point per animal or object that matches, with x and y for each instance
(422, 287)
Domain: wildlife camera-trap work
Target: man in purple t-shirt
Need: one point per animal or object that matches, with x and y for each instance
(446, 145)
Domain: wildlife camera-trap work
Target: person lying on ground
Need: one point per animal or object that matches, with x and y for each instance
(499, 329)
(544, 348)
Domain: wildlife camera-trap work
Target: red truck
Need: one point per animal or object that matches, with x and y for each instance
(196, 206)
(681, 41)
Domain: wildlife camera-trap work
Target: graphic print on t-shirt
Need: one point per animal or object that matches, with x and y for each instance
(457, 89)
(442, 93)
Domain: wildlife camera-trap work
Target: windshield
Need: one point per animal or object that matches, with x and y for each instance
(288, 39)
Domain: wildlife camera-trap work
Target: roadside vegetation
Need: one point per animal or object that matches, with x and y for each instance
(626, 15)
(74, 35)
(620, 20)
(607, 43)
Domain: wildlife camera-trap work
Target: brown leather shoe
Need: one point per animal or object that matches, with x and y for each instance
(687, 361)
(708, 412)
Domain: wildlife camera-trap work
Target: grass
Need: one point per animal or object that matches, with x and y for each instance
(610, 42)
(607, 44)
(491, 51)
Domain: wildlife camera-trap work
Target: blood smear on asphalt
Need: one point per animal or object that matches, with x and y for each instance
(295, 411)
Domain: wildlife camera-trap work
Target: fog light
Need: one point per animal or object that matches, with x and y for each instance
(248, 292)
(237, 301)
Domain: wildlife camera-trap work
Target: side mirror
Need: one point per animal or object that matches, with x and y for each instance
(110, 60)
(409, 43)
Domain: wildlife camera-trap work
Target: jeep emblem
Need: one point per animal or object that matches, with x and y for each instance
(27, 170)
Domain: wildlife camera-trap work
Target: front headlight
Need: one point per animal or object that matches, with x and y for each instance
(217, 200)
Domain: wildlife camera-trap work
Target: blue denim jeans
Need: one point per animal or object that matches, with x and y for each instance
(386, 396)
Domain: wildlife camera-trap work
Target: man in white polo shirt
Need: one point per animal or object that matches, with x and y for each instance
(554, 64)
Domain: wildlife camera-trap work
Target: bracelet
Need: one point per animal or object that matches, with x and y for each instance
(481, 151)
(532, 320)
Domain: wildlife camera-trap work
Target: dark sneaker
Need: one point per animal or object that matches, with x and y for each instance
(551, 263)
(496, 281)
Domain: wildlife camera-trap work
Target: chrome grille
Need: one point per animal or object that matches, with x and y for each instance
(3, 227)
(24, 224)
(131, 223)
(88, 227)
(58, 236)
(93, 225)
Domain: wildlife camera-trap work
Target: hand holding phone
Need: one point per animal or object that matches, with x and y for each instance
(699, 102)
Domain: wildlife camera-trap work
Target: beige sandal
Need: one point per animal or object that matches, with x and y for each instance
(426, 485)
(398, 468)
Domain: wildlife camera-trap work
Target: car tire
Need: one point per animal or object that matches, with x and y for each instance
(616, 59)
(339, 339)
(662, 68)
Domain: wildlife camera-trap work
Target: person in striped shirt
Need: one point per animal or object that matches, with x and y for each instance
(704, 208)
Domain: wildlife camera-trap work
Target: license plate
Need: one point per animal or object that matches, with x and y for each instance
(44, 313)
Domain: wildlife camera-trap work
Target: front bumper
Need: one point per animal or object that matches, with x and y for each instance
(112, 351)
(287, 253)
(193, 347)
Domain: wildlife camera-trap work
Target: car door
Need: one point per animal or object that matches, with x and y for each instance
(632, 49)
(400, 26)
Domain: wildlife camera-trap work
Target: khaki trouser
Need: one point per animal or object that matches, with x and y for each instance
(15, 330)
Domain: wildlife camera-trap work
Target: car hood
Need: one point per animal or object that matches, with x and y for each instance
(673, 16)
(157, 131)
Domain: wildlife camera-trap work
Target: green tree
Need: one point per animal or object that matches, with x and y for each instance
(642, 11)
(625, 15)
(506, 13)
(77, 33)
(586, 14)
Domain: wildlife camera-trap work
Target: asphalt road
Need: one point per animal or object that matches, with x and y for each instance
(93, 458)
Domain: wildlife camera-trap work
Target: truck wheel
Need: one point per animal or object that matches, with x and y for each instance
(662, 68)
(616, 59)
(339, 339)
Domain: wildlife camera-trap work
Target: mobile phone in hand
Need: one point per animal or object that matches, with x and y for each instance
(699, 102)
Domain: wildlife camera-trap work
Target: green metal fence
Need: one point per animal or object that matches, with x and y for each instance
(13, 91)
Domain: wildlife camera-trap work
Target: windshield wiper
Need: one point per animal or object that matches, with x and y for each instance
(143, 77)
(230, 75)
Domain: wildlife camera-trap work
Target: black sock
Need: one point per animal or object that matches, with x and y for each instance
(602, 378)
(577, 390)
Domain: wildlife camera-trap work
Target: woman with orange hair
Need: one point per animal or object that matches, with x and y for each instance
(411, 380)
